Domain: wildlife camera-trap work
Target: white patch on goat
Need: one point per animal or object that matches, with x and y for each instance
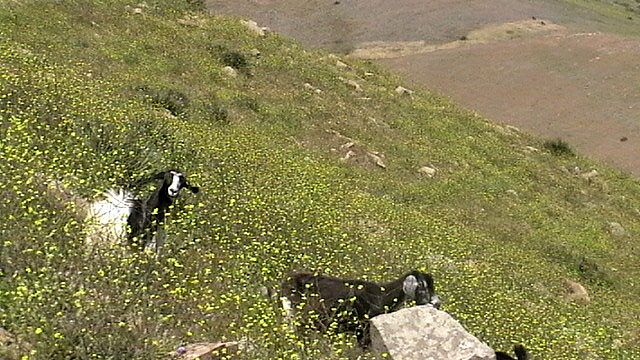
(435, 301)
(107, 218)
(409, 286)
(287, 307)
(174, 188)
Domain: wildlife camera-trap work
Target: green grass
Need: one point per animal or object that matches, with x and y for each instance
(616, 16)
(87, 91)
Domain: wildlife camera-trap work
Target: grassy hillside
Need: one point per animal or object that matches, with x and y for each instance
(100, 93)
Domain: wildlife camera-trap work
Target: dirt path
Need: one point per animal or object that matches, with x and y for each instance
(552, 69)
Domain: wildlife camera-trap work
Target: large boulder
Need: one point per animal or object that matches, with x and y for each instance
(425, 333)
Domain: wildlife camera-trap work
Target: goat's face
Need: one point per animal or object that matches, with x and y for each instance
(176, 181)
(419, 286)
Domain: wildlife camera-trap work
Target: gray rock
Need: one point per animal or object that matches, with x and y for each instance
(616, 229)
(9, 347)
(425, 333)
(377, 158)
(205, 351)
(591, 175)
(354, 85)
(427, 171)
(403, 91)
(575, 292)
(255, 53)
(230, 72)
(348, 155)
(5, 337)
(312, 88)
(254, 27)
(348, 145)
(512, 128)
(341, 65)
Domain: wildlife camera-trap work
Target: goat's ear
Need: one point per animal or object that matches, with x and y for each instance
(410, 285)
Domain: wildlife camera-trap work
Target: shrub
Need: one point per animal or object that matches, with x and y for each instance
(558, 147)
(173, 100)
(217, 112)
(236, 60)
(197, 5)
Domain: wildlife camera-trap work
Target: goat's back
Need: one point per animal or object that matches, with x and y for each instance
(328, 288)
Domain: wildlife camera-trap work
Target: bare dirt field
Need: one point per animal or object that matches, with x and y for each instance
(583, 88)
(548, 67)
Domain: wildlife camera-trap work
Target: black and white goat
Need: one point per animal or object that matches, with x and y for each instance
(347, 305)
(519, 350)
(122, 216)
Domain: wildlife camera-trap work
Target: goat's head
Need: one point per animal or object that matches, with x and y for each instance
(174, 182)
(419, 286)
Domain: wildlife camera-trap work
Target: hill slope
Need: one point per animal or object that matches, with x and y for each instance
(563, 69)
(99, 94)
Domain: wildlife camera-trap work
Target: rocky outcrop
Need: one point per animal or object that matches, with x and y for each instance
(425, 333)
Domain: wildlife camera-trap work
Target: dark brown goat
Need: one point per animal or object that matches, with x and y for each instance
(347, 305)
(519, 350)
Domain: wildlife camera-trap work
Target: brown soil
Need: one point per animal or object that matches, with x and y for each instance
(582, 88)
(569, 77)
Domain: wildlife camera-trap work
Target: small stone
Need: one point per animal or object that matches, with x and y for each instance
(616, 229)
(377, 159)
(512, 192)
(255, 52)
(5, 337)
(354, 85)
(206, 351)
(253, 26)
(349, 155)
(590, 175)
(575, 292)
(531, 149)
(136, 10)
(230, 72)
(427, 171)
(341, 65)
(348, 145)
(512, 128)
(403, 91)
